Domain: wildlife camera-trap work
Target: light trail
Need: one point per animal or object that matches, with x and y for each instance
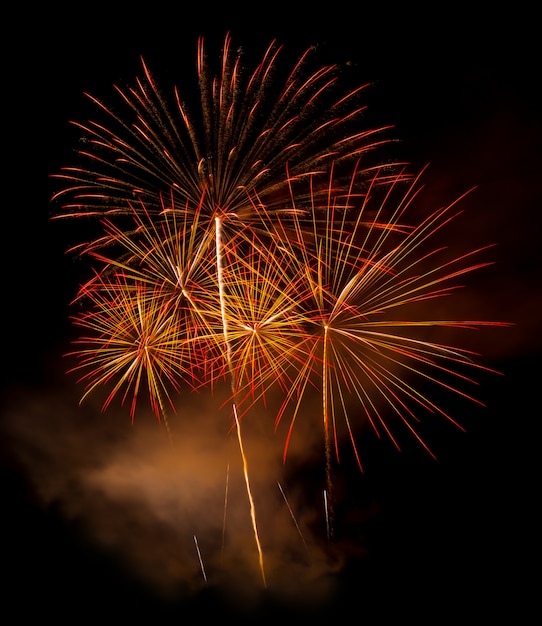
(200, 559)
(219, 267)
(292, 516)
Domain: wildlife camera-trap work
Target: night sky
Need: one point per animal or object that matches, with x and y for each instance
(428, 540)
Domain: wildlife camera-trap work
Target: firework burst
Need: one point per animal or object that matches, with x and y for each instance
(365, 271)
(130, 336)
(183, 199)
(254, 242)
(231, 156)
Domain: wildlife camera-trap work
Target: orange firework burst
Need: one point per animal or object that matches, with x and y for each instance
(231, 157)
(236, 246)
(361, 268)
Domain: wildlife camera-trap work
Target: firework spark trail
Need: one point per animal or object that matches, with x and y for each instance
(249, 494)
(200, 559)
(329, 526)
(218, 223)
(327, 440)
(292, 516)
(226, 493)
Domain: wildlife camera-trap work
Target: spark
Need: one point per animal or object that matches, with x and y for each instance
(250, 497)
(200, 559)
(292, 515)
(226, 491)
(329, 528)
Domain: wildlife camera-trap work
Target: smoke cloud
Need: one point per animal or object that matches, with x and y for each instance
(173, 509)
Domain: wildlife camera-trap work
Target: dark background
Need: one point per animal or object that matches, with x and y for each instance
(455, 538)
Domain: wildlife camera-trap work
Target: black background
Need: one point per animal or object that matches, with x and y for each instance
(453, 539)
